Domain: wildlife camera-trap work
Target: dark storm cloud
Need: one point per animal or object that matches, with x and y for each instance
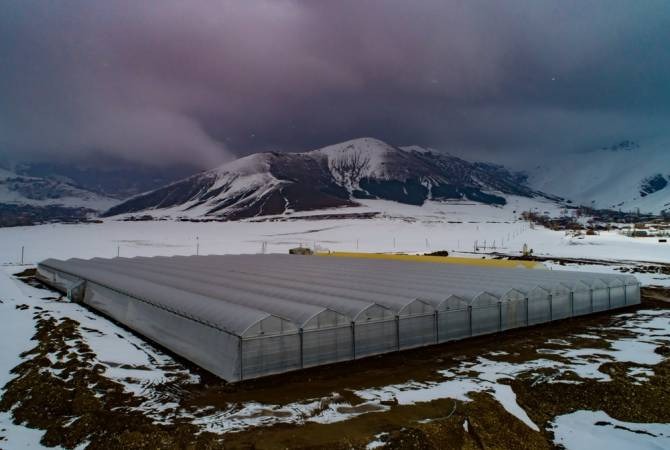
(199, 81)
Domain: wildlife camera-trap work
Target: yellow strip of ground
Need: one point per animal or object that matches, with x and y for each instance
(502, 263)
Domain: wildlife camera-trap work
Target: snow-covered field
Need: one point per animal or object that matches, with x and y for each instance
(455, 227)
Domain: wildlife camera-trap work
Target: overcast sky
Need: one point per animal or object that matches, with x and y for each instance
(203, 80)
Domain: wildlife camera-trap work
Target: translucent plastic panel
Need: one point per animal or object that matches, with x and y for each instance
(453, 325)
(373, 338)
(325, 346)
(632, 294)
(618, 296)
(417, 331)
(57, 280)
(539, 309)
(600, 299)
(271, 325)
(485, 319)
(327, 319)
(513, 314)
(207, 347)
(416, 307)
(581, 301)
(268, 355)
(561, 306)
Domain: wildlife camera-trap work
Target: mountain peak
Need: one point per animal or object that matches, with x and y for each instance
(367, 144)
(247, 165)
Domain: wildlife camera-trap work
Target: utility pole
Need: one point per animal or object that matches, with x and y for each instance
(197, 246)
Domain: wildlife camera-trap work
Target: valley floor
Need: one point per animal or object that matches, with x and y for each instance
(458, 228)
(72, 378)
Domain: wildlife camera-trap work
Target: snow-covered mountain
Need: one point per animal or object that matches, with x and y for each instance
(26, 200)
(41, 192)
(625, 176)
(106, 175)
(333, 176)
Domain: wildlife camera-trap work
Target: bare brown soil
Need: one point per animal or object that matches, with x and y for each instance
(75, 403)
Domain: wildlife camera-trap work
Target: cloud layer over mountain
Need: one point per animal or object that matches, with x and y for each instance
(201, 81)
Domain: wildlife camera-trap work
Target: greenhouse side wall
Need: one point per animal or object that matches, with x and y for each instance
(212, 349)
(274, 354)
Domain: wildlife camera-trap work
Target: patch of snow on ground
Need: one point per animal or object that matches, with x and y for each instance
(377, 443)
(127, 359)
(640, 374)
(17, 327)
(588, 430)
(585, 362)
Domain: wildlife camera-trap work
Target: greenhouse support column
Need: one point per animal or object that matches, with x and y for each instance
(551, 307)
(302, 355)
(397, 333)
(572, 304)
(499, 316)
(436, 328)
(591, 298)
(470, 319)
(625, 294)
(241, 356)
(527, 312)
(353, 340)
(609, 297)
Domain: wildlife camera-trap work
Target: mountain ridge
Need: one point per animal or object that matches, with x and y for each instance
(27, 200)
(333, 176)
(626, 176)
(33, 191)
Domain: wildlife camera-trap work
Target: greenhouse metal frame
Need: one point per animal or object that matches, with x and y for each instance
(247, 316)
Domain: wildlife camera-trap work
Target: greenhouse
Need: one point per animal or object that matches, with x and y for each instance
(247, 316)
